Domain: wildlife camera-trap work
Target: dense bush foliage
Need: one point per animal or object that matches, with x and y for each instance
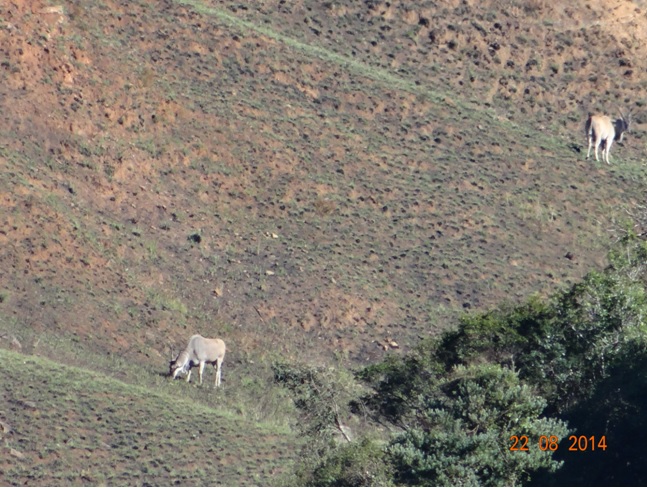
(325, 397)
(462, 434)
(618, 410)
(358, 463)
(572, 364)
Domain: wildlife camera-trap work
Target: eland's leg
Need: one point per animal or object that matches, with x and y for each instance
(597, 145)
(201, 370)
(188, 376)
(608, 148)
(588, 153)
(218, 366)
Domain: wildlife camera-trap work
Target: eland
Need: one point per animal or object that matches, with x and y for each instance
(198, 352)
(600, 128)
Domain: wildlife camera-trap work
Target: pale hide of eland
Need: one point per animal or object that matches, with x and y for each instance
(602, 130)
(199, 352)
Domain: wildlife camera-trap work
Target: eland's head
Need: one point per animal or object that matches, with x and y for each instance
(179, 365)
(621, 125)
(172, 368)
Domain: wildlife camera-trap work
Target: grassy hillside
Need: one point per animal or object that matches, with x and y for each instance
(63, 425)
(312, 180)
(184, 167)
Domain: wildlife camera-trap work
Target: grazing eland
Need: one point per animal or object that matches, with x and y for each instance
(600, 128)
(198, 352)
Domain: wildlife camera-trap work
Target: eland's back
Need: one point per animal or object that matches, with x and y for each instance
(208, 350)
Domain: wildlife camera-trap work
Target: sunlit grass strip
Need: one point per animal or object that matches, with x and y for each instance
(531, 138)
(352, 65)
(79, 379)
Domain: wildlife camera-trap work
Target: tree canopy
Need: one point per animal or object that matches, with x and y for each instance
(549, 391)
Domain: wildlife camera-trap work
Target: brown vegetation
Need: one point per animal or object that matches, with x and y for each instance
(319, 179)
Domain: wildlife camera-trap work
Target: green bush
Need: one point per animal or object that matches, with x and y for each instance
(399, 381)
(330, 457)
(360, 463)
(563, 345)
(617, 410)
(322, 395)
(463, 433)
(518, 370)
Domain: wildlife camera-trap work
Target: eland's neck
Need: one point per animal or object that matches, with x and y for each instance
(183, 360)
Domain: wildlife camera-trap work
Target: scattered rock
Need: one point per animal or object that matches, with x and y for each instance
(388, 344)
(16, 454)
(55, 9)
(6, 428)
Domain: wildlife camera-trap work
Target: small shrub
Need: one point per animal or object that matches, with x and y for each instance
(360, 463)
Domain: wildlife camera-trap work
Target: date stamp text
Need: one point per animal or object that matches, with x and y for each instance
(580, 443)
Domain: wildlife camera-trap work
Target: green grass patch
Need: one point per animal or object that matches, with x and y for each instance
(75, 426)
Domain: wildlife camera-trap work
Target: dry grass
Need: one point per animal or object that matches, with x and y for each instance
(301, 179)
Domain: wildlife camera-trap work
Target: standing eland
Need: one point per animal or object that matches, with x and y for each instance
(600, 128)
(199, 351)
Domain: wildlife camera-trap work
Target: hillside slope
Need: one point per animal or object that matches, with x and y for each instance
(325, 183)
(63, 425)
(308, 180)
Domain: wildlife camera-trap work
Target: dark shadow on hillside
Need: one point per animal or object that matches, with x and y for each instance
(618, 411)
